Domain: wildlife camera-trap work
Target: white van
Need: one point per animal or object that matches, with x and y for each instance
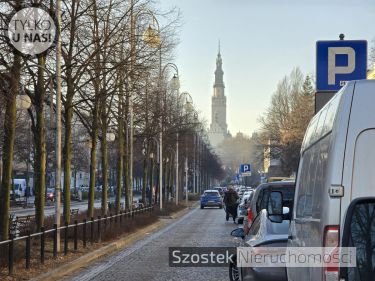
(336, 170)
(19, 187)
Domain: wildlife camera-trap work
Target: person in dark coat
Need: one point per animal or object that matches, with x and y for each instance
(230, 201)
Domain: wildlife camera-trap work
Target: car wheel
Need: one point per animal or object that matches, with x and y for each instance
(221, 206)
(233, 271)
(202, 207)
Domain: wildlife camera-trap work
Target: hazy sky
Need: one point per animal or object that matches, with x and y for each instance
(262, 41)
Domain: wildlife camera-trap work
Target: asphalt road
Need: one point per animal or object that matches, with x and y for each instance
(147, 259)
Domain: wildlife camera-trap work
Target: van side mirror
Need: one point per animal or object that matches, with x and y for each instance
(275, 207)
(358, 232)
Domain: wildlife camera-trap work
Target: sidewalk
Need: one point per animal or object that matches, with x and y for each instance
(75, 265)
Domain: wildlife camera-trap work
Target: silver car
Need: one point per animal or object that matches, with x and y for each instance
(263, 233)
(242, 207)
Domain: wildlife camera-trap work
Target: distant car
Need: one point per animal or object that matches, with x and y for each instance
(241, 191)
(211, 198)
(50, 194)
(220, 189)
(263, 233)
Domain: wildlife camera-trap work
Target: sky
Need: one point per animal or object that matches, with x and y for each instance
(261, 42)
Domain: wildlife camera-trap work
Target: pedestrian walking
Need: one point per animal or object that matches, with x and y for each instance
(230, 201)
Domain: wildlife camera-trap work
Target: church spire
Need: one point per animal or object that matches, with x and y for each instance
(219, 73)
(218, 128)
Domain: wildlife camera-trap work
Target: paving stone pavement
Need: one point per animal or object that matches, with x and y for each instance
(147, 259)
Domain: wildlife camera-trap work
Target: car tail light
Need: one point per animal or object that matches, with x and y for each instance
(250, 216)
(331, 240)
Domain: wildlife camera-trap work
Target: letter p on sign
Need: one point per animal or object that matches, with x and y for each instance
(333, 69)
(339, 61)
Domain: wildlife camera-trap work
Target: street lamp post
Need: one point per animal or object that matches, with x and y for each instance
(188, 106)
(58, 121)
(175, 83)
(177, 180)
(186, 178)
(174, 154)
(152, 39)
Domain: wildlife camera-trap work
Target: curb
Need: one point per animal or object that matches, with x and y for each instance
(85, 260)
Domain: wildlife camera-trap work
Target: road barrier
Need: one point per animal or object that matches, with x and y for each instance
(104, 225)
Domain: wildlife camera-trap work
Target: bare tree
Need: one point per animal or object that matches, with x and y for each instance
(285, 121)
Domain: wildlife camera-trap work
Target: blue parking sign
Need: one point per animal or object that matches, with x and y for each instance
(245, 168)
(338, 62)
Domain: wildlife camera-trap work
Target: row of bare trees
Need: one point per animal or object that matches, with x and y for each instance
(107, 66)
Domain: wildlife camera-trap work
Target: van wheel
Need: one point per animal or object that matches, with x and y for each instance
(233, 271)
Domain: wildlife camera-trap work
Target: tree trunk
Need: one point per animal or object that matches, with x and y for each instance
(94, 137)
(144, 180)
(126, 170)
(104, 156)
(8, 146)
(120, 163)
(40, 141)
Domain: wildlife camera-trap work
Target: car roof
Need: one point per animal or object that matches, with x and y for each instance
(276, 184)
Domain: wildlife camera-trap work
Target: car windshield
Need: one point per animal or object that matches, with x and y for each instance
(211, 193)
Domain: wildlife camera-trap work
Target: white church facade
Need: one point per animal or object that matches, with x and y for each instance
(218, 130)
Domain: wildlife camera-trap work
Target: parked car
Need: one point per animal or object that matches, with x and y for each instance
(335, 184)
(263, 233)
(261, 196)
(242, 190)
(220, 189)
(243, 206)
(211, 198)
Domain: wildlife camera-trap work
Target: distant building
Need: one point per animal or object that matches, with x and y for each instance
(218, 129)
(272, 164)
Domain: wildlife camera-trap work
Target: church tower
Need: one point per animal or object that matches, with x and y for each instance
(218, 128)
